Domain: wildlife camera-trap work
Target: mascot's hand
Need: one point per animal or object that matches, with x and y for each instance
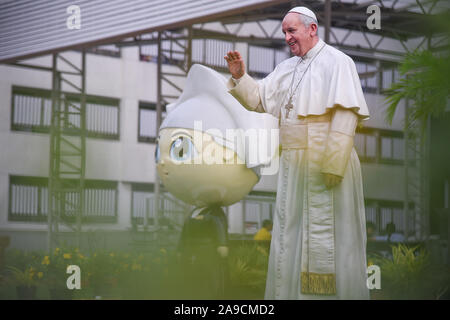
(223, 251)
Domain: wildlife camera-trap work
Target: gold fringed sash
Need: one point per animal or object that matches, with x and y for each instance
(316, 283)
(318, 269)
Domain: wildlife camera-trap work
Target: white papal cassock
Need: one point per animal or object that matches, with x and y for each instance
(318, 247)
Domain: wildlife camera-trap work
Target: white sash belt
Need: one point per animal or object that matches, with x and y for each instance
(294, 132)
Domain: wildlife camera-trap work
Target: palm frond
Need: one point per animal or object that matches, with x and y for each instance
(425, 81)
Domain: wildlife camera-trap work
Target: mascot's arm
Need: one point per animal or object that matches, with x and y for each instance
(221, 233)
(183, 237)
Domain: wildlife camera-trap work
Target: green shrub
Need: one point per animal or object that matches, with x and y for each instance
(409, 274)
(248, 266)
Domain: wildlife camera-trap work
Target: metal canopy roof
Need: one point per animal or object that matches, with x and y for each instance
(30, 28)
(398, 18)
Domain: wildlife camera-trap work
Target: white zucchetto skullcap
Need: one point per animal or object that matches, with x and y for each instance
(305, 11)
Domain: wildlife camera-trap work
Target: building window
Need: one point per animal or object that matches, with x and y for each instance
(32, 109)
(389, 76)
(142, 203)
(147, 122)
(102, 119)
(259, 206)
(100, 201)
(28, 201)
(368, 76)
(262, 60)
(366, 145)
(379, 145)
(392, 147)
(172, 210)
(173, 52)
(210, 52)
(383, 212)
(105, 50)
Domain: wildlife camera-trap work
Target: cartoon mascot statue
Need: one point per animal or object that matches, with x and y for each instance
(211, 152)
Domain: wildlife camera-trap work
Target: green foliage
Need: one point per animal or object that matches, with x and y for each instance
(425, 74)
(130, 275)
(110, 274)
(426, 81)
(26, 278)
(22, 268)
(248, 266)
(409, 274)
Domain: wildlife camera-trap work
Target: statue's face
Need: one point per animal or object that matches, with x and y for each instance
(199, 171)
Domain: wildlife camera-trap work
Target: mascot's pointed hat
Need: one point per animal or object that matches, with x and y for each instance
(206, 98)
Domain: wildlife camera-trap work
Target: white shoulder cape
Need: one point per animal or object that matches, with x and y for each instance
(331, 80)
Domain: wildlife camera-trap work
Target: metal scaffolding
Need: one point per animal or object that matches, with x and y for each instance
(67, 149)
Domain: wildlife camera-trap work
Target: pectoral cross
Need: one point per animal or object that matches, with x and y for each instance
(289, 106)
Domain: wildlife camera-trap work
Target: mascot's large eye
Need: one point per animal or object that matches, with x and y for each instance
(182, 149)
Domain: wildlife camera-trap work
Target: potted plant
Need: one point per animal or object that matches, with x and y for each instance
(55, 276)
(26, 281)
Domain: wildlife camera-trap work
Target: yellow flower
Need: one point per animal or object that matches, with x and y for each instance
(80, 256)
(67, 256)
(46, 261)
(77, 250)
(136, 266)
(163, 251)
(40, 275)
(369, 263)
(57, 251)
(111, 254)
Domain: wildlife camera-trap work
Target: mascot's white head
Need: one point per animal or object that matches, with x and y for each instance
(211, 149)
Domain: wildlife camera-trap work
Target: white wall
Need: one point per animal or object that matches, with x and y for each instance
(124, 160)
